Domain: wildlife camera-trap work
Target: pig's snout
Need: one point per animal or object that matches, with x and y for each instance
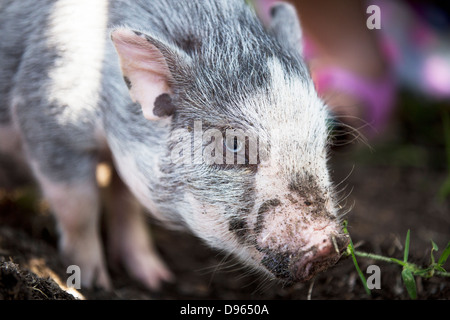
(304, 265)
(298, 240)
(319, 259)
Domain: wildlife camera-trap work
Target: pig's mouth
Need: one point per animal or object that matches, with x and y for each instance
(303, 266)
(309, 267)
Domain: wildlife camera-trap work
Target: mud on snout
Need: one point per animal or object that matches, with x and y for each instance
(295, 236)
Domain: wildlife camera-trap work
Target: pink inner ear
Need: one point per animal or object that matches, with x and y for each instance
(145, 66)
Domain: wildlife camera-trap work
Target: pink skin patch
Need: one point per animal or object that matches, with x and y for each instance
(145, 68)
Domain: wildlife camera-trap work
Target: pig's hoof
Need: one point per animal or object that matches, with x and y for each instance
(101, 280)
(149, 269)
(92, 275)
(92, 268)
(95, 276)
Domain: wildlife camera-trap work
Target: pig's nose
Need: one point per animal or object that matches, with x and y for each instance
(319, 258)
(302, 266)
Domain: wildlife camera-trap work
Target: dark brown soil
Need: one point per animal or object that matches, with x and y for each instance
(392, 192)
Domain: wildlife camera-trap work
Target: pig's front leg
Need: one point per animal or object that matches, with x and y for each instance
(129, 240)
(75, 204)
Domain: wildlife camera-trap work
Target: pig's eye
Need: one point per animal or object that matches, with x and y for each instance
(233, 145)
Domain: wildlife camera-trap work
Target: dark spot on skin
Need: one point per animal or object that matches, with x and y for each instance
(238, 223)
(278, 264)
(312, 195)
(266, 206)
(137, 33)
(273, 11)
(190, 44)
(127, 82)
(163, 106)
(239, 227)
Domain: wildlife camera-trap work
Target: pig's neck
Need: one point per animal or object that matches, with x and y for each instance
(137, 155)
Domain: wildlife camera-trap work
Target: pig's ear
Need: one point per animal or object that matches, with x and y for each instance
(148, 66)
(285, 26)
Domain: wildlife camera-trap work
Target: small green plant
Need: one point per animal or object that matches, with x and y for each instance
(409, 270)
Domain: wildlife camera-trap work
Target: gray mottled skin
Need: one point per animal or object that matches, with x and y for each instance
(61, 87)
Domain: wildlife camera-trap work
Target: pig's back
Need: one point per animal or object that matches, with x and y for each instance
(53, 55)
(18, 21)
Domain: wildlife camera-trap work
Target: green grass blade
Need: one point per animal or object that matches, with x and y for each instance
(444, 255)
(406, 252)
(434, 247)
(400, 262)
(352, 252)
(425, 273)
(410, 283)
(361, 275)
(439, 268)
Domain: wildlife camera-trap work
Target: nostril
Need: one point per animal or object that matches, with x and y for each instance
(334, 245)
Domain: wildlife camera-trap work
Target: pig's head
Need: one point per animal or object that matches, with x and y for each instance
(264, 195)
